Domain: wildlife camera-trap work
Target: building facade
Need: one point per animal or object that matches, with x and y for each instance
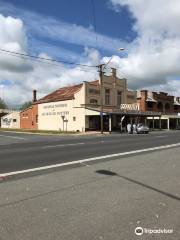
(168, 106)
(77, 108)
(158, 102)
(29, 118)
(11, 120)
(80, 107)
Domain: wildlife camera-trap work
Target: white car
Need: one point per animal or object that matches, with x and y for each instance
(141, 128)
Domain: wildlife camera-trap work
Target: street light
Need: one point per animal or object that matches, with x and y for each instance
(121, 49)
(101, 69)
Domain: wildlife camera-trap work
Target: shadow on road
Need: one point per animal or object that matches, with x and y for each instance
(110, 173)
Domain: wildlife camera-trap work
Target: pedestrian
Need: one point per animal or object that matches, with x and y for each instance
(134, 128)
(129, 128)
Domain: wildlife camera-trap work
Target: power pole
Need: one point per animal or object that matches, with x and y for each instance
(101, 95)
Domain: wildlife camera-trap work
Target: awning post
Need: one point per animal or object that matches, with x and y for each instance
(110, 123)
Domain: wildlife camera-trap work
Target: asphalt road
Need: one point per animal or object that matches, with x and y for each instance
(25, 151)
(102, 201)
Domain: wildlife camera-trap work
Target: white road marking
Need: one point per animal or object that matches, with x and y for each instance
(20, 138)
(161, 136)
(2, 175)
(62, 145)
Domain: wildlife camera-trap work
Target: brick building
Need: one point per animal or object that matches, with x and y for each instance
(29, 116)
(168, 106)
(158, 102)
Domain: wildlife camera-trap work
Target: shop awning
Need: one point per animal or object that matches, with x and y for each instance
(150, 99)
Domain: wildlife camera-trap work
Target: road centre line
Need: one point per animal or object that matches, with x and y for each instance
(63, 145)
(20, 138)
(3, 175)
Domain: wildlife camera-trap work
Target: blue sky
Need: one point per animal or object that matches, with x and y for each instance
(110, 23)
(64, 30)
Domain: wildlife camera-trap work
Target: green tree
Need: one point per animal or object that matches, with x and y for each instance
(26, 105)
(3, 104)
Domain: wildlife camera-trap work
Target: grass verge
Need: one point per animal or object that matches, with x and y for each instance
(37, 131)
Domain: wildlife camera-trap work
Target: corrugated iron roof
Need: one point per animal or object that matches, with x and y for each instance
(150, 99)
(62, 94)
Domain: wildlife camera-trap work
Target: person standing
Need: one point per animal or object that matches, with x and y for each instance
(134, 128)
(129, 128)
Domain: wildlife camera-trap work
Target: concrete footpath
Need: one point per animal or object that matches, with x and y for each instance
(102, 201)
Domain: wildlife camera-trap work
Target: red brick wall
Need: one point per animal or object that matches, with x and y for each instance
(28, 118)
(159, 97)
(142, 101)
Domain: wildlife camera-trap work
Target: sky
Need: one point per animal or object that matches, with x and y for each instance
(88, 32)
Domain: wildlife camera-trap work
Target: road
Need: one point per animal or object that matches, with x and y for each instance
(102, 201)
(20, 152)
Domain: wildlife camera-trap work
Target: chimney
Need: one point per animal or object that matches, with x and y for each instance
(114, 72)
(34, 95)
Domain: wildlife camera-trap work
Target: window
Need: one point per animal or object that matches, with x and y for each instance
(160, 106)
(175, 107)
(149, 104)
(36, 118)
(107, 96)
(94, 91)
(167, 106)
(14, 120)
(74, 119)
(119, 95)
(93, 101)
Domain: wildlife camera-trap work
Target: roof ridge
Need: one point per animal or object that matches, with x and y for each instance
(61, 94)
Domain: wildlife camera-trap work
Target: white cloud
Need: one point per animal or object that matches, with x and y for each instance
(23, 76)
(154, 56)
(152, 62)
(12, 38)
(53, 29)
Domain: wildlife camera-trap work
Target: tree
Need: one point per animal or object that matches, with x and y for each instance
(26, 105)
(3, 104)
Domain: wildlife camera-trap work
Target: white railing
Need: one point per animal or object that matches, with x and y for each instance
(133, 106)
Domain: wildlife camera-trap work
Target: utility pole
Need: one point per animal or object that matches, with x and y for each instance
(101, 95)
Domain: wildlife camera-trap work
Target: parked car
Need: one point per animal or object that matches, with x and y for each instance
(142, 128)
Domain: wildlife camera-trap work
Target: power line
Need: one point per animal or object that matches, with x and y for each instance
(41, 61)
(46, 59)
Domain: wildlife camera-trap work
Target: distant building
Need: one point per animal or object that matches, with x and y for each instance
(29, 118)
(158, 102)
(11, 120)
(167, 105)
(3, 112)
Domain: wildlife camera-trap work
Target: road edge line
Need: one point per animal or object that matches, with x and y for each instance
(4, 175)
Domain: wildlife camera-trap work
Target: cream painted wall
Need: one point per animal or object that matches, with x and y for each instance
(51, 116)
(131, 97)
(108, 82)
(11, 120)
